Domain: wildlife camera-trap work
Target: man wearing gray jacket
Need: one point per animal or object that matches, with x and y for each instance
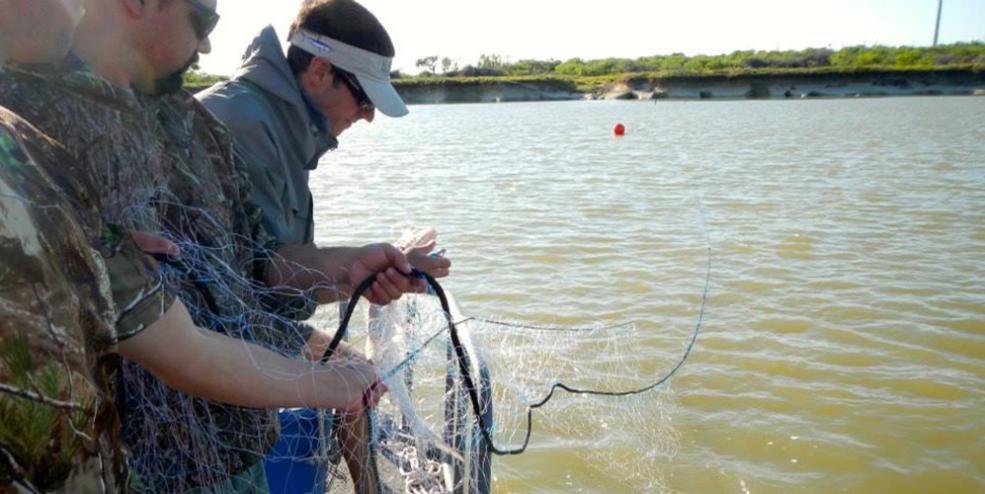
(285, 112)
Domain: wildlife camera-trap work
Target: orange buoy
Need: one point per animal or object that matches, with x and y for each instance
(619, 130)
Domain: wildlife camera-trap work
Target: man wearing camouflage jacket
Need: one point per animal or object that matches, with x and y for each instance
(66, 307)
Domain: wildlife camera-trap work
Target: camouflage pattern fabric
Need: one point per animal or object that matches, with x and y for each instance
(190, 129)
(59, 318)
(164, 166)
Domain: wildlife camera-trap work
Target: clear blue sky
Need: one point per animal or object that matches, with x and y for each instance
(560, 29)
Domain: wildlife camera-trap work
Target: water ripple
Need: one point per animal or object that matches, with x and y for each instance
(844, 344)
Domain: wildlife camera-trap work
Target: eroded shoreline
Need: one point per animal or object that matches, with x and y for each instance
(770, 86)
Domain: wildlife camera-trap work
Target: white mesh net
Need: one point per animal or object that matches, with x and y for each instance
(434, 431)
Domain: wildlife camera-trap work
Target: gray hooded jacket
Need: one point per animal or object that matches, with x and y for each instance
(275, 134)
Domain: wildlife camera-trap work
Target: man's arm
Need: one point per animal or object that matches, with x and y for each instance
(219, 368)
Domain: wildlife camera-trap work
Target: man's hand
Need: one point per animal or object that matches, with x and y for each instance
(434, 264)
(152, 245)
(334, 271)
(417, 246)
(363, 386)
(393, 273)
(373, 395)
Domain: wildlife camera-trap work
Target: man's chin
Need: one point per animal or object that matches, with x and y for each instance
(175, 81)
(170, 84)
(337, 130)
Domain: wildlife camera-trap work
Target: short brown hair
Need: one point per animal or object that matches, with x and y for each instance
(343, 20)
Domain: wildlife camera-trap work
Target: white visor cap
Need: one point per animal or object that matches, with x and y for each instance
(371, 69)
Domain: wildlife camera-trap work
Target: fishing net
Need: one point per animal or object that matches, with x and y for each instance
(459, 394)
(463, 393)
(178, 441)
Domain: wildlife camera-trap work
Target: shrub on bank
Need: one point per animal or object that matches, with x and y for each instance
(846, 59)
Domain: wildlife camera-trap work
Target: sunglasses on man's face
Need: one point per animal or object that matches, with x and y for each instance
(362, 99)
(203, 18)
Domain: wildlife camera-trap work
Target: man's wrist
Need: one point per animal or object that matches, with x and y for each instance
(340, 261)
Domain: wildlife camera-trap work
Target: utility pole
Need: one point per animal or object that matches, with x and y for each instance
(937, 30)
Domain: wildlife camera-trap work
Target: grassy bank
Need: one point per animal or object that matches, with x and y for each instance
(809, 64)
(588, 84)
(959, 60)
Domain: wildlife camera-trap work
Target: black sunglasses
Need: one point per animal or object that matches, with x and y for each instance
(362, 99)
(203, 19)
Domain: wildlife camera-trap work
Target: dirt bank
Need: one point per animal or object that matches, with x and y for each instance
(767, 86)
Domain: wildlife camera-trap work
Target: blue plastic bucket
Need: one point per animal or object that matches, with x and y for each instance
(293, 465)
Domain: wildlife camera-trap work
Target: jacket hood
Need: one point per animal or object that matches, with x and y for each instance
(265, 65)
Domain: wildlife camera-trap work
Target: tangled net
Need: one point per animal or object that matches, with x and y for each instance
(458, 393)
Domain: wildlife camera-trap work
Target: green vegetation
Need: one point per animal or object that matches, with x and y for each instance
(430, 80)
(962, 56)
(197, 79)
(583, 75)
(42, 441)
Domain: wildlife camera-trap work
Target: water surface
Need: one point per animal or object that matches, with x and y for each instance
(843, 346)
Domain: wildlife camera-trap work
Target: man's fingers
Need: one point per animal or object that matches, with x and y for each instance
(416, 238)
(155, 244)
(389, 286)
(397, 284)
(374, 394)
(377, 294)
(420, 249)
(395, 277)
(434, 263)
(440, 267)
(397, 259)
(359, 377)
(385, 286)
(428, 247)
(436, 266)
(428, 234)
(378, 396)
(364, 377)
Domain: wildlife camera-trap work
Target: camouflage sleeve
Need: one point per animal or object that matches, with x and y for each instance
(50, 275)
(122, 284)
(138, 289)
(56, 324)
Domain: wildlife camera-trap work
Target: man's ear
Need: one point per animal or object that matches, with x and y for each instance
(320, 70)
(134, 8)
